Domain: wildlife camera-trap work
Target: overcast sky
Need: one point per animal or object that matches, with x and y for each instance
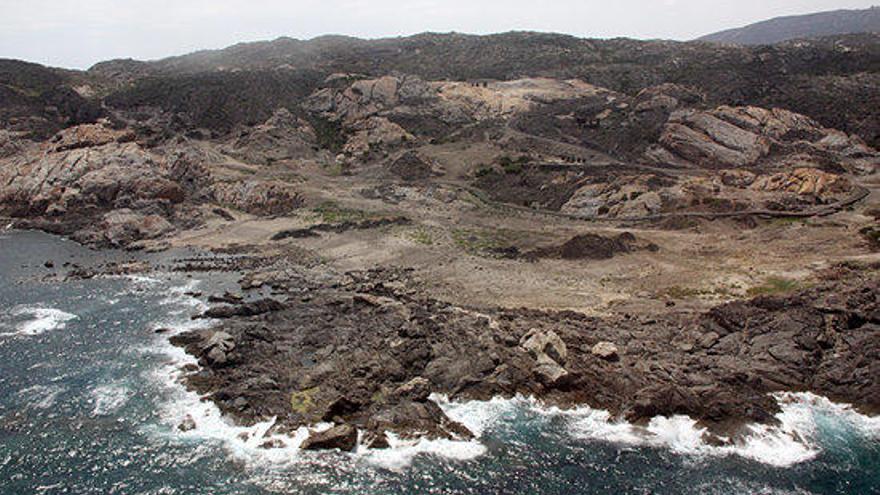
(78, 33)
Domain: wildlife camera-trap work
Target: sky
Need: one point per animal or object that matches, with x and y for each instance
(79, 33)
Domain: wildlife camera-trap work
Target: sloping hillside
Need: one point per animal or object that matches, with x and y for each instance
(802, 27)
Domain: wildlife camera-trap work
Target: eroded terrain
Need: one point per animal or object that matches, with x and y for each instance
(650, 252)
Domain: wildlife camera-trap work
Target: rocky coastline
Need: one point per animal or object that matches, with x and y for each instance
(368, 354)
(643, 241)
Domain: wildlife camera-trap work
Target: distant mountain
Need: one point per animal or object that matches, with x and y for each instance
(802, 26)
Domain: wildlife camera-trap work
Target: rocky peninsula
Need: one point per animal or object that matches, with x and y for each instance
(611, 223)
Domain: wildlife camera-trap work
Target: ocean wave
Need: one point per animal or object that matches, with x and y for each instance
(207, 423)
(804, 422)
(41, 396)
(401, 453)
(141, 279)
(41, 320)
(797, 437)
(109, 398)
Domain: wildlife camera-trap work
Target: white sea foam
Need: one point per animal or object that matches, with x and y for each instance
(41, 396)
(243, 443)
(247, 444)
(401, 453)
(109, 398)
(41, 320)
(797, 437)
(143, 279)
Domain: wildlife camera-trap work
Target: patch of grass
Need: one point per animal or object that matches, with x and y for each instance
(483, 171)
(679, 292)
(482, 242)
(335, 169)
(422, 236)
(332, 212)
(775, 285)
(378, 397)
(303, 401)
(513, 165)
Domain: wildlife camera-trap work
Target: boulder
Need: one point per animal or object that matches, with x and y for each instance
(342, 437)
(540, 343)
(550, 374)
(282, 137)
(418, 389)
(188, 424)
(605, 350)
(217, 347)
(548, 350)
(254, 308)
(123, 227)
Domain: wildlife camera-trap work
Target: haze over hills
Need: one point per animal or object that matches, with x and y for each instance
(802, 27)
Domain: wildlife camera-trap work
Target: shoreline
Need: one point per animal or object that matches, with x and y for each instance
(548, 355)
(542, 366)
(513, 360)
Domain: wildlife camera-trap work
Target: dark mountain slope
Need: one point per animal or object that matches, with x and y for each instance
(39, 100)
(780, 75)
(831, 79)
(802, 27)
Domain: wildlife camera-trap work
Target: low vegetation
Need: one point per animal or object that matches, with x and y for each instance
(775, 286)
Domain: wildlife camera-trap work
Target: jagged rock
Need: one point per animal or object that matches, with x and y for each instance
(281, 137)
(541, 343)
(550, 373)
(226, 297)
(188, 424)
(247, 309)
(274, 443)
(258, 197)
(375, 132)
(549, 351)
(709, 339)
(216, 348)
(123, 227)
(342, 437)
(83, 174)
(418, 389)
(12, 143)
(736, 137)
(88, 136)
(804, 181)
(605, 350)
(220, 340)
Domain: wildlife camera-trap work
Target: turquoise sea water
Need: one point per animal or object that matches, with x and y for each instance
(88, 404)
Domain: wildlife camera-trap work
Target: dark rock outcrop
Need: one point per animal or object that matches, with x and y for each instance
(342, 437)
(372, 359)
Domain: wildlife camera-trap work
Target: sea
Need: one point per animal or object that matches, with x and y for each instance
(90, 403)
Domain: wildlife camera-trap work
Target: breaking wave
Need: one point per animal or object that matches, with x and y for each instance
(41, 396)
(806, 420)
(40, 320)
(109, 398)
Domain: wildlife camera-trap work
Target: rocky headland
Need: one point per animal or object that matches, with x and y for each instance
(650, 228)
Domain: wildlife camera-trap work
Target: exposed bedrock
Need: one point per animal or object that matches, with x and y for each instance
(370, 355)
